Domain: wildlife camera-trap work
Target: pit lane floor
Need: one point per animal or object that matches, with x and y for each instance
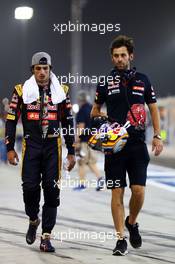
(84, 230)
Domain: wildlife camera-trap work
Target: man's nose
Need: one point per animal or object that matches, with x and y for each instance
(42, 71)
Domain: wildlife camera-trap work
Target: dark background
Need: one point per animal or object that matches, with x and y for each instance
(150, 23)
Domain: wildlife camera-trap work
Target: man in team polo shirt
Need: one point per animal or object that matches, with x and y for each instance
(125, 92)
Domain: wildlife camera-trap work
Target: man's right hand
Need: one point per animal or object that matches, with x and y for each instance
(12, 157)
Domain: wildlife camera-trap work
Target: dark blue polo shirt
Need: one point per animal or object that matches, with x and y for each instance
(118, 92)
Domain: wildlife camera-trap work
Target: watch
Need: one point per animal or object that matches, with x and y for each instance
(158, 137)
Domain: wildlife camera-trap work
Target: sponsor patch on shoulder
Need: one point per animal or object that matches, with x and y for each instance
(10, 117)
(12, 105)
(14, 98)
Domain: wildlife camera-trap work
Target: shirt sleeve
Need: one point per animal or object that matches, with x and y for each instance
(150, 96)
(12, 117)
(100, 96)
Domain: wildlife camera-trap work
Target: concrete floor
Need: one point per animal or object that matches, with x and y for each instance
(84, 231)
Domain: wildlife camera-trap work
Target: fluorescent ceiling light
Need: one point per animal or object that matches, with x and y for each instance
(23, 12)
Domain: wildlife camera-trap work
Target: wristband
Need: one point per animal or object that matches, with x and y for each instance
(158, 137)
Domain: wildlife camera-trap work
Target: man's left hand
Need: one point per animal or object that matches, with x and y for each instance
(72, 161)
(157, 146)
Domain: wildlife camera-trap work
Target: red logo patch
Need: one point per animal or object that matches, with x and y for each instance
(33, 116)
(138, 88)
(52, 116)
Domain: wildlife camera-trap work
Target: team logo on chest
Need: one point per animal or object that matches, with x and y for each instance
(114, 85)
(114, 91)
(138, 90)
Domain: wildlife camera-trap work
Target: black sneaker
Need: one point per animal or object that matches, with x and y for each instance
(100, 184)
(31, 232)
(45, 244)
(121, 248)
(134, 238)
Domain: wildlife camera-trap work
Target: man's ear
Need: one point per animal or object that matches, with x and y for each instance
(131, 56)
(32, 70)
(112, 58)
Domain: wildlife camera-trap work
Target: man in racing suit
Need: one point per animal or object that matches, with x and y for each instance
(125, 92)
(43, 105)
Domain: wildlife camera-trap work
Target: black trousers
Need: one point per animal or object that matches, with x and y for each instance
(41, 168)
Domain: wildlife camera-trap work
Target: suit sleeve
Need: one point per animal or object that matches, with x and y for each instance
(12, 117)
(67, 123)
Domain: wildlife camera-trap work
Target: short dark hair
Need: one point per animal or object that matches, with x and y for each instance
(121, 41)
